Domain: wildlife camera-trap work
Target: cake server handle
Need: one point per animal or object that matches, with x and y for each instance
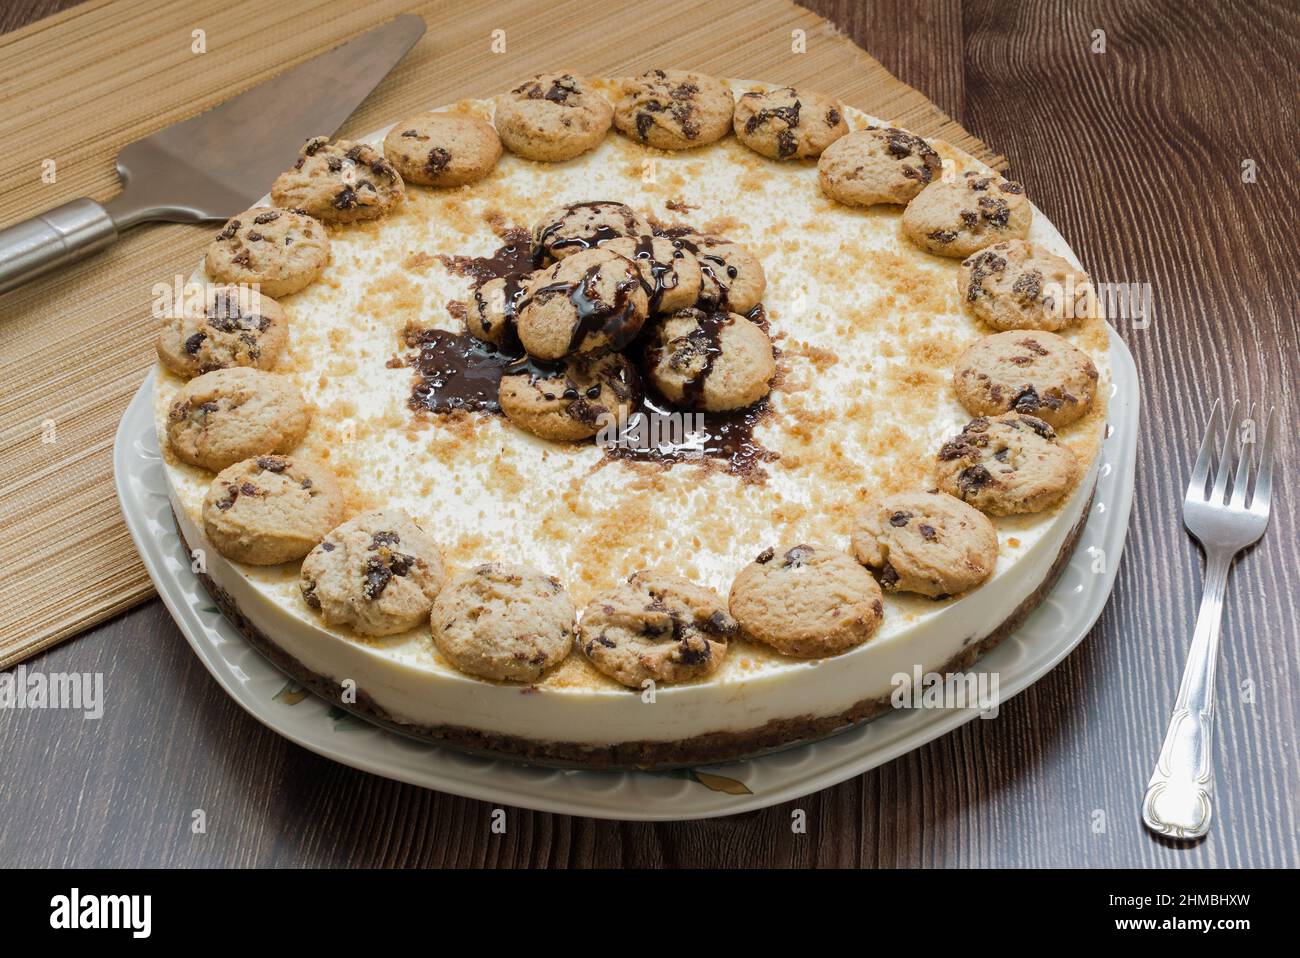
(43, 243)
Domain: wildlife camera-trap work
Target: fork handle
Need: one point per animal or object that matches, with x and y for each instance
(1178, 801)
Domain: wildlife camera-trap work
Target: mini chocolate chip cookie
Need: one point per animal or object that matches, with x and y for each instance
(571, 229)
(926, 542)
(494, 311)
(339, 182)
(281, 251)
(1017, 285)
(377, 574)
(657, 627)
(877, 165)
(271, 509)
(731, 277)
(227, 415)
(958, 217)
(505, 622)
(1006, 466)
(713, 361)
(670, 274)
(570, 399)
(806, 600)
(674, 110)
(442, 149)
(788, 124)
(554, 116)
(589, 302)
(222, 326)
(1026, 371)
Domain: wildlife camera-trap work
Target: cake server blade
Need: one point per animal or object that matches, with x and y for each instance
(216, 164)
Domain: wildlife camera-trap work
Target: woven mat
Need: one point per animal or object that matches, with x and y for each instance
(81, 85)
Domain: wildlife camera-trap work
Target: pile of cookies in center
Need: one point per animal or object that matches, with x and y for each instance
(618, 290)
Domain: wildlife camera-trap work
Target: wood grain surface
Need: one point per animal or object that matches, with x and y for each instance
(1136, 154)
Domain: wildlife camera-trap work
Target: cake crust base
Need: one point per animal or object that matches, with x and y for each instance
(709, 749)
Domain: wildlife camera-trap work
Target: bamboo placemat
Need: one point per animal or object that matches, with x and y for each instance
(79, 86)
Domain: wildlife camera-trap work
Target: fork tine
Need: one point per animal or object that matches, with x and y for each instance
(1225, 457)
(1259, 496)
(1243, 466)
(1196, 485)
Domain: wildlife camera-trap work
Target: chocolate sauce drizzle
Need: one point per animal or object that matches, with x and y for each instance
(455, 372)
(595, 315)
(659, 272)
(598, 235)
(713, 266)
(726, 438)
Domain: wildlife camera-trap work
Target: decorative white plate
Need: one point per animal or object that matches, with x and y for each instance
(1047, 636)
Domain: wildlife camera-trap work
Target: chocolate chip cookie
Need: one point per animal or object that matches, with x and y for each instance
(1010, 465)
(808, 601)
(926, 542)
(339, 182)
(271, 509)
(731, 277)
(553, 116)
(227, 415)
(505, 622)
(442, 149)
(713, 361)
(1026, 371)
(674, 109)
(877, 165)
(220, 327)
(493, 313)
(958, 217)
(279, 251)
(377, 574)
(670, 275)
(788, 124)
(1017, 285)
(656, 627)
(571, 229)
(589, 302)
(569, 399)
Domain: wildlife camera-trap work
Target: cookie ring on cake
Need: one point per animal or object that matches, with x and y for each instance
(656, 627)
(788, 124)
(925, 542)
(505, 622)
(1009, 465)
(231, 414)
(1025, 371)
(339, 182)
(271, 509)
(377, 574)
(807, 601)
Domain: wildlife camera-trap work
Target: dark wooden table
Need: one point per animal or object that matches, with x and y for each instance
(1136, 154)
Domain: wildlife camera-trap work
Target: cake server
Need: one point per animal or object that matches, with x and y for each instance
(216, 164)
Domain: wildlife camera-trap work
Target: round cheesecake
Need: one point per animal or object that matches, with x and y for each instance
(867, 328)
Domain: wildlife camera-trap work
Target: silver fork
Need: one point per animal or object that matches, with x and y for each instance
(1225, 521)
